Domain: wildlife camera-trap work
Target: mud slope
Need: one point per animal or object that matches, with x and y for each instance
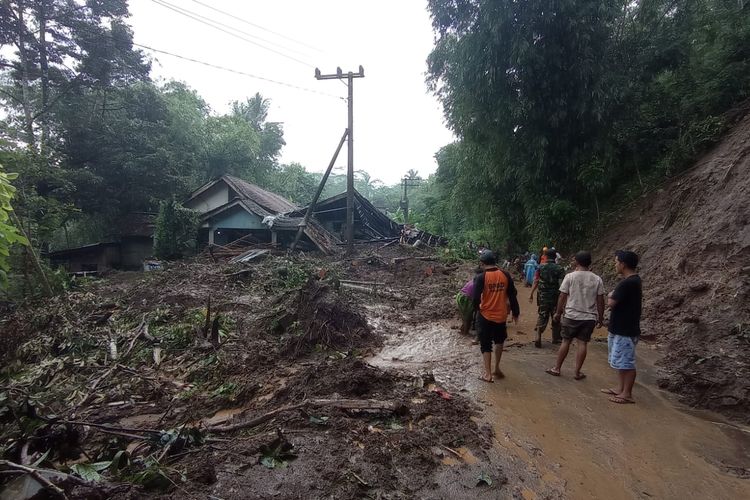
(693, 236)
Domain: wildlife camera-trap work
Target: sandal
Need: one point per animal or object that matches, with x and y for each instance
(580, 376)
(621, 401)
(552, 372)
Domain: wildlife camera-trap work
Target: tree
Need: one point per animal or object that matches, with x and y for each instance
(176, 230)
(9, 234)
(556, 103)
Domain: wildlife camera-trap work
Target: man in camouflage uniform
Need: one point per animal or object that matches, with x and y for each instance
(547, 280)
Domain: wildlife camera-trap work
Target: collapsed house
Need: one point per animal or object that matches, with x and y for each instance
(232, 209)
(369, 222)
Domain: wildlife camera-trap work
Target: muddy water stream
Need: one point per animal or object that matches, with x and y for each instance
(561, 437)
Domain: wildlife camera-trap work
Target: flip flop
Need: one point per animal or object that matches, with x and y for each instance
(621, 401)
(490, 381)
(611, 392)
(580, 376)
(552, 372)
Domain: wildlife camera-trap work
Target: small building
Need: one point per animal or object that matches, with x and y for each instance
(130, 244)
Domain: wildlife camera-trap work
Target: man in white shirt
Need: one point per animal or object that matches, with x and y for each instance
(582, 302)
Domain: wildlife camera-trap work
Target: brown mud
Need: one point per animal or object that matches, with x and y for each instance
(561, 437)
(693, 237)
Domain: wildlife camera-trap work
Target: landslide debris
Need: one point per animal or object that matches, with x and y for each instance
(693, 237)
(211, 379)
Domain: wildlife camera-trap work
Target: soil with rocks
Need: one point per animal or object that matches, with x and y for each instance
(693, 238)
(232, 381)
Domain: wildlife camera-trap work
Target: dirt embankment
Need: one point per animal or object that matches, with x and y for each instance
(138, 385)
(693, 237)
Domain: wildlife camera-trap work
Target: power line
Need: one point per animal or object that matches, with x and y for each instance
(256, 25)
(214, 24)
(243, 73)
(233, 28)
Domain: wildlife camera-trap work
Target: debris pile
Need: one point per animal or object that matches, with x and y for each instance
(210, 378)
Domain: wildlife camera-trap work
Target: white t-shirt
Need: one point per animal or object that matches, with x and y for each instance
(582, 289)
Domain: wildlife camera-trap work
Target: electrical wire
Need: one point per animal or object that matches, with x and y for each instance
(243, 73)
(228, 14)
(233, 28)
(214, 24)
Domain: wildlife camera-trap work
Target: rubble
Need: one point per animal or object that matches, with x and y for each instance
(130, 386)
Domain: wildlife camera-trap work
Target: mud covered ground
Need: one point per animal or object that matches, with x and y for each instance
(693, 236)
(213, 380)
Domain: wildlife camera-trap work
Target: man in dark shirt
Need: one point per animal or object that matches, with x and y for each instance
(624, 326)
(493, 291)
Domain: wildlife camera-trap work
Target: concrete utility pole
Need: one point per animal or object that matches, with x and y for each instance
(350, 76)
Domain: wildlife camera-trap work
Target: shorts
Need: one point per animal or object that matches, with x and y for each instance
(489, 332)
(465, 307)
(580, 329)
(621, 351)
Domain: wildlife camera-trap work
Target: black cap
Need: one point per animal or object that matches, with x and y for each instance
(488, 257)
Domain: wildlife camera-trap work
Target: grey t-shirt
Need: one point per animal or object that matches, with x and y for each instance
(582, 288)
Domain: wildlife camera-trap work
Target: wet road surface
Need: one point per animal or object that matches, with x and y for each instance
(573, 441)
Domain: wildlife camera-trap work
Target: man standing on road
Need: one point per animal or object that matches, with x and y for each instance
(493, 290)
(548, 278)
(624, 326)
(582, 300)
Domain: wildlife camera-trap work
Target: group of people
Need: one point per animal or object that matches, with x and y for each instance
(530, 263)
(574, 304)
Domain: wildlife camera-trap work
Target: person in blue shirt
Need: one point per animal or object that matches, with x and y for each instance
(529, 269)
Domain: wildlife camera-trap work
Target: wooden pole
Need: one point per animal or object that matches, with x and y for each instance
(311, 208)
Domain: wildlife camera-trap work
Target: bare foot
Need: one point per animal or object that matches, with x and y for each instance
(499, 373)
(486, 378)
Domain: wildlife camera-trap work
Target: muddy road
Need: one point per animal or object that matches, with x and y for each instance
(561, 438)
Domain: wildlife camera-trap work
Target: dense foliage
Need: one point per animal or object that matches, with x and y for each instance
(563, 105)
(93, 138)
(176, 231)
(9, 234)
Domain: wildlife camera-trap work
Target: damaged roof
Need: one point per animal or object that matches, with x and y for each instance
(374, 222)
(259, 200)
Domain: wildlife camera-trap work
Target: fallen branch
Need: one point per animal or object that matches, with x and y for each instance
(398, 260)
(37, 477)
(344, 404)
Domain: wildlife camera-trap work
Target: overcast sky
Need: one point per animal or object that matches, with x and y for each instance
(398, 124)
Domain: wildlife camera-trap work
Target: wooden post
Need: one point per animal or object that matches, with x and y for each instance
(311, 208)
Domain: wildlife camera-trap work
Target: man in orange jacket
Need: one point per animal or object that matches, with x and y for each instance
(493, 290)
